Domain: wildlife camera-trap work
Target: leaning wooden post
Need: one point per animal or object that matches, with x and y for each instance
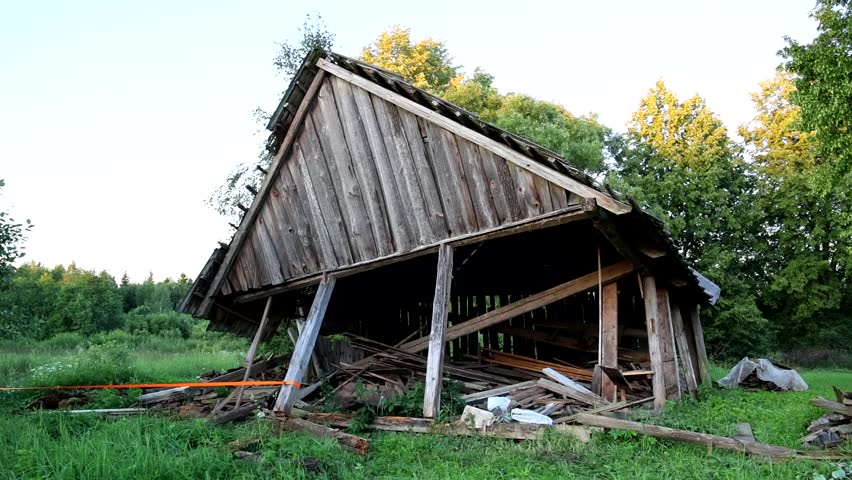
(253, 348)
(438, 335)
(652, 321)
(683, 349)
(609, 337)
(703, 362)
(305, 345)
(667, 343)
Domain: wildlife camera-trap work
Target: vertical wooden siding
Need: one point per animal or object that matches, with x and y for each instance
(365, 179)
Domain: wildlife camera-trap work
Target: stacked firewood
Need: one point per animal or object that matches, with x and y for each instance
(835, 426)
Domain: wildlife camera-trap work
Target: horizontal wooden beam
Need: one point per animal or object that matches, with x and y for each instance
(528, 304)
(564, 181)
(571, 214)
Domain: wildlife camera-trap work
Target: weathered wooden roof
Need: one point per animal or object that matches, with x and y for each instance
(369, 167)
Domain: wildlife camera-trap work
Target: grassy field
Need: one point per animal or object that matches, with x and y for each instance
(56, 445)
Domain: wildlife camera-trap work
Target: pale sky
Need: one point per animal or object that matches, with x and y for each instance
(118, 119)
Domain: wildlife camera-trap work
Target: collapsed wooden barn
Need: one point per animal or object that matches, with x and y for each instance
(396, 216)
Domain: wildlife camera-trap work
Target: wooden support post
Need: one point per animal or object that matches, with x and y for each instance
(652, 320)
(253, 348)
(302, 352)
(683, 350)
(438, 335)
(703, 362)
(609, 337)
(667, 344)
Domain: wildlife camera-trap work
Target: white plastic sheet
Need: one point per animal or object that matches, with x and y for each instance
(529, 416)
(785, 379)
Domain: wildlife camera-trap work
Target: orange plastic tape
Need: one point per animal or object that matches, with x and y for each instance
(254, 383)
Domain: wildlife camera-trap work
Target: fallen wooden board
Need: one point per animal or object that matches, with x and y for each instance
(570, 392)
(516, 431)
(833, 406)
(109, 411)
(238, 413)
(606, 408)
(349, 442)
(579, 390)
(495, 392)
(706, 439)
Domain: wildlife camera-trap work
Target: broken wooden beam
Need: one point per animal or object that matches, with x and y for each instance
(696, 438)
(495, 392)
(238, 413)
(352, 443)
(438, 335)
(836, 407)
(528, 304)
(587, 398)
(652, 322)
(305, 346)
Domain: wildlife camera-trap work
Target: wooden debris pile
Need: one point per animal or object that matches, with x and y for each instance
(833, 428)
(557, 389)
(239, 403)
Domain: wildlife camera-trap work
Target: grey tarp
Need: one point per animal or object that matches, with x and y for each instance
(767, 371)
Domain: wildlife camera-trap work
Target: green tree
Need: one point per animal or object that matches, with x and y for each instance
(12, 235)
(678, 161)
(425, 64)
(806, 285)
(822, 71)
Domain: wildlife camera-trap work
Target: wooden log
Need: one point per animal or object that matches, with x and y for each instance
(496, 392)
(438, 336)
(253, 348)
(698, 331)
(684, 351)
(499, 315)
(652, 320)
(302, 351)
(706, 439)
(667, 343)
(609, 333)
(606, 408)
(109, 411)
(349, 442)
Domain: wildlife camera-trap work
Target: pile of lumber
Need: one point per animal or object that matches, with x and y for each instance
(833, 428)
(555, 388)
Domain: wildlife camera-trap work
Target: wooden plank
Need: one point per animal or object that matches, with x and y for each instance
(349, 442)
(542, 188)
(698, 331)
(275, 225)
(390, 186)
(365, 166)
(696, 438)
(588, 399)
(437, 338)
(667, 344)
(452, 188)
(478, 185)
(300, 232)
(405, 171)
(525, 191)
(336, 153)
(501, 186)
(609, 333)
(683, 351)
(497, 148)
(426, 176)
(248, 219)
(317, 172)
(559, 196)
(494, 392)
(652, 320)
(265, 252)
(253, 347)
(525, 225)
(326, 256)
(302, 351)
(690, 340)
(608, 274)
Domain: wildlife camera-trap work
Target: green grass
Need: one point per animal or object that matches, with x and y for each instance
(56, 445)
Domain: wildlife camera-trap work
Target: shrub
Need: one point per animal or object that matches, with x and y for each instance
(169, 324)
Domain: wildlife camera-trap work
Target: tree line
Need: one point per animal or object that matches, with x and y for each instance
(40, 302)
